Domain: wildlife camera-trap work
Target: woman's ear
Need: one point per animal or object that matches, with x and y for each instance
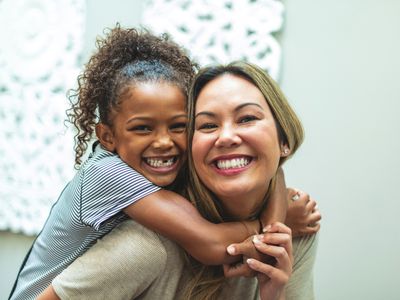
(285, 150)
(106, 137)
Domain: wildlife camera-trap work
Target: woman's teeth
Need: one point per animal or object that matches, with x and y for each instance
(159, 163)
(233, 163)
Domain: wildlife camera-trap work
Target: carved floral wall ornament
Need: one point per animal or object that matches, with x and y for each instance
(41, 43)
(221, 31)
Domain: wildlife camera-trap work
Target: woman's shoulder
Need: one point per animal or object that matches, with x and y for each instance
(132, 240)
(301, 283)
(304, 247)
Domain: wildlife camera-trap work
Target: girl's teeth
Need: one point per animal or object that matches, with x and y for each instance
(158, 163)
(232, 163)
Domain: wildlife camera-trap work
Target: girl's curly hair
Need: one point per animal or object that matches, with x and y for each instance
(123, 57)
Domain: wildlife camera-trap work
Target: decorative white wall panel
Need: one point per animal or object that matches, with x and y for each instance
(219, 31)
(41, 43)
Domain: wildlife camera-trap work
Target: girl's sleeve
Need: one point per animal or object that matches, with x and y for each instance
(121, 265)
(301, 283)
(108, 187)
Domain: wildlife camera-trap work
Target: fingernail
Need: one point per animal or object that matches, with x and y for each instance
(266, 228)
(256, 240)
(249, 261)
(231, 250)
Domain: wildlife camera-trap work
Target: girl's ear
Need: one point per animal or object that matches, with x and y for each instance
(285, 150)
(106, 137)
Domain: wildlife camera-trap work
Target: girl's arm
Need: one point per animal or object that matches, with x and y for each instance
(176, 218)
(303, 215)
(48, 294)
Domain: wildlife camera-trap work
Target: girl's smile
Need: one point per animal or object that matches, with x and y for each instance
(149, 130)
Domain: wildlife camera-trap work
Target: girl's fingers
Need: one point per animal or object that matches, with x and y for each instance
(311, 229)
(314, 217)
(311, 205)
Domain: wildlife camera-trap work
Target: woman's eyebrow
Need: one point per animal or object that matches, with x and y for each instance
(206, 113)
(239, 107)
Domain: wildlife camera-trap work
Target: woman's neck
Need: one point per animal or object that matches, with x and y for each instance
(243, 206)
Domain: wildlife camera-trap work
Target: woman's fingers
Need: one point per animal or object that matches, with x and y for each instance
(282, 254)
(240, 269)
(277, 227)
(279, 276)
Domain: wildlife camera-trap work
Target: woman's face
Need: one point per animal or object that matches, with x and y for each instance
(235, 146)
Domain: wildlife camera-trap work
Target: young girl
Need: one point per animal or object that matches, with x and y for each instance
(132, 94)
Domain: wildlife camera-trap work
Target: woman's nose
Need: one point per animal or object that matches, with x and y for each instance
(228, 137)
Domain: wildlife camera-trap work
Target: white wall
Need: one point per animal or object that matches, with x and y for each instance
(340, 71)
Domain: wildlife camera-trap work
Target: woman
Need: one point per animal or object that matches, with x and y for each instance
(242, 129)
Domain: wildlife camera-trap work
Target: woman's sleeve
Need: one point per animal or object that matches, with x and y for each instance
(121, 265)
(109, 186)
(301, 283)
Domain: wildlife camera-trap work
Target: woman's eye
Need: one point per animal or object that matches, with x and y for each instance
(247, 119)
(207, 126)
(178, 127)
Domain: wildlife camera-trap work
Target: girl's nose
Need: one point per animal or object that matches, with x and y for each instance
(228, 137)
(163, 142)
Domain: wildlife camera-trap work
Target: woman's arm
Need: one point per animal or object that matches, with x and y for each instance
(177, 219)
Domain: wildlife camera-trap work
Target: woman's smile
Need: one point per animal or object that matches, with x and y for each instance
(235, 147)
(234, 164)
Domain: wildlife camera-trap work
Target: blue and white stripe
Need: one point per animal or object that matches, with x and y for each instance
(89, 207)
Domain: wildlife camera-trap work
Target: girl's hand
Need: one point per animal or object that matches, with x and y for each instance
(302, 215)
(276, 242)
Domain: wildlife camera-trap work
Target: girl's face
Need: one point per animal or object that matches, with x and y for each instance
(149, 130)
(235, 146)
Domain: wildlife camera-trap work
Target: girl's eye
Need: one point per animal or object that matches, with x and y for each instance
(247, 119)
(178, 127)
(207, 126)
(141, 128)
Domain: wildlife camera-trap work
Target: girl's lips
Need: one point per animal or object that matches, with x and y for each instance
(161, 165)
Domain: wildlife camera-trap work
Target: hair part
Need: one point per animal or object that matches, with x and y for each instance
(124, 57)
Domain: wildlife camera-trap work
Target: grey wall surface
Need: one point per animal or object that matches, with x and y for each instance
(340, 71)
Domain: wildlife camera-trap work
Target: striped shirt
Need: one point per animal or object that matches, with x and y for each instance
(89, 207)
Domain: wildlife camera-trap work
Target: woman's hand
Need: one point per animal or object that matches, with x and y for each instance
(275, 242)
(247, 250)
(302, 215)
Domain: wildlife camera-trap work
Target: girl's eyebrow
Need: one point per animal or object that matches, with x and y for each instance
(239, 107)
(179, 116)
(149, 118)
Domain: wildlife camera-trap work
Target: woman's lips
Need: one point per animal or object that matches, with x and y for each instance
(232, 165)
